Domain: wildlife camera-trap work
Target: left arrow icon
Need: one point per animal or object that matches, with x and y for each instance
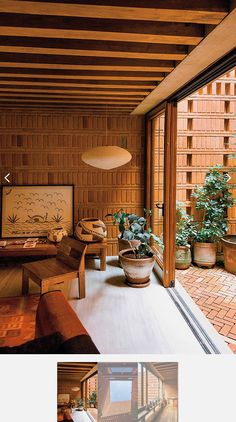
(6, 177)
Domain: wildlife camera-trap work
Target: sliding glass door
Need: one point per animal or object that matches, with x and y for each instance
(161, 188)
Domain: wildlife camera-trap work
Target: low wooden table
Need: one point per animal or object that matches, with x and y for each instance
(50, 249)
(100, 249)
(41, 249)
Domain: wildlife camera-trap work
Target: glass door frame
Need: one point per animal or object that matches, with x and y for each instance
(170, 157)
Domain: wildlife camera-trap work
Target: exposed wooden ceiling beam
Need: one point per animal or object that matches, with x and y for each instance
(90, 48)
(80, 74)
(92, 53)
(88, 62)
(201, 12)
(61, 96)
(77, 101)
(108, 67)
(128, 31)
(62, 84)
(64, 91)
(71, 108)
(218, 43)
(11, 79)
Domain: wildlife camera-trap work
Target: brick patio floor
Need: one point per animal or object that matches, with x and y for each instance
(214, 291)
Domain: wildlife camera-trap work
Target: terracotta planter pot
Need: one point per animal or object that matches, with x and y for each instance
(204, 254)
(126, 244)
(137, 271)
(183, 257)
(229, 249)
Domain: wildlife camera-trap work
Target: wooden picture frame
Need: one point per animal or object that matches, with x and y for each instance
(31, 210)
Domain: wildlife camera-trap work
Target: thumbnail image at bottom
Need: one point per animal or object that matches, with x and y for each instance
(117, 392)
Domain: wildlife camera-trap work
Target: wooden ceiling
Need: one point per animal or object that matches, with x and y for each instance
(96, 54)
(74, 369)
(168, 370)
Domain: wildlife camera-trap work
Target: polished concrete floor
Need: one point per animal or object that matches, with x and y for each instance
(120, 319)
(168, 414)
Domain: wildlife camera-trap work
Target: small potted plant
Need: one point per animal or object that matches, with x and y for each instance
(212, 200)
(125, 222)
(184, 232)
(138, 261)
(80, 403)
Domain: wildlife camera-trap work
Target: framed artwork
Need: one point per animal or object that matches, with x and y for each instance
(63, 399)
(33, 210)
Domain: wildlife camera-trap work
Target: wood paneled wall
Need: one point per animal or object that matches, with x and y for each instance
(65, 385)
(46, 147)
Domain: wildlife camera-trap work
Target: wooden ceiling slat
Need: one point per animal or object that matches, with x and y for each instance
(72, 97)
(206, 13)
(64, 91)
(103, 48)
(175, 36)
(92, 53)
(11, 79)
(13, 83)
(165, 65)
(80, 74)
(108, 67)
(87, 101)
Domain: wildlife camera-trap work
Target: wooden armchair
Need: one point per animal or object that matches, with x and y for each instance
(68, 264)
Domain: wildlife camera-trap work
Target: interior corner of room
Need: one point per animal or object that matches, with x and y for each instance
(117, 166)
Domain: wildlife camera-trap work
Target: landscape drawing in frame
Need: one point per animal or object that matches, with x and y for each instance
(30, 211)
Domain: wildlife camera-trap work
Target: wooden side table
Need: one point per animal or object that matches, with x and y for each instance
(100, 249)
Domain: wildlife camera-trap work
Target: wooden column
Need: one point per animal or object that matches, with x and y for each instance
(169, 228)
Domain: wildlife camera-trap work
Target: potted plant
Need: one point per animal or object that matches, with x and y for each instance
(229, 241)
(184, 232)
(138, 261)
(80, 403)
(125, 222)
(92, 401)
(212, 200)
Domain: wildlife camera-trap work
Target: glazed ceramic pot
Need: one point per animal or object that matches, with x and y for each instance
(229, 249)
(90, 230)
(56, 234)
(137, 271)
(183, 257)
(204, 254)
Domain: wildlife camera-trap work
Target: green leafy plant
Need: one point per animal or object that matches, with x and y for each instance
(80, 402)
(92, 401)
(213, 199)
(185, 226)
(133, 227)
(13, 218)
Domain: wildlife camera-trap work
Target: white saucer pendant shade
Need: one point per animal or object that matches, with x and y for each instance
(107, 157)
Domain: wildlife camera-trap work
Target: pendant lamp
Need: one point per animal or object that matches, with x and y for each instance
(75, 388)
(106, 157)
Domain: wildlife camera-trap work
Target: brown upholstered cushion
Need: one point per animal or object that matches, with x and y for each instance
(54, 314)
(82, 344)
(44, 345)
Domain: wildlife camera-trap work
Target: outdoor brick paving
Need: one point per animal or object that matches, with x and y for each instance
(214, 290)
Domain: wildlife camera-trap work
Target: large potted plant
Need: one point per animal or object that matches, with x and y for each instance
(138, 261)
(184, 232)
(229, 241)
(211, 200)
(125, 223)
